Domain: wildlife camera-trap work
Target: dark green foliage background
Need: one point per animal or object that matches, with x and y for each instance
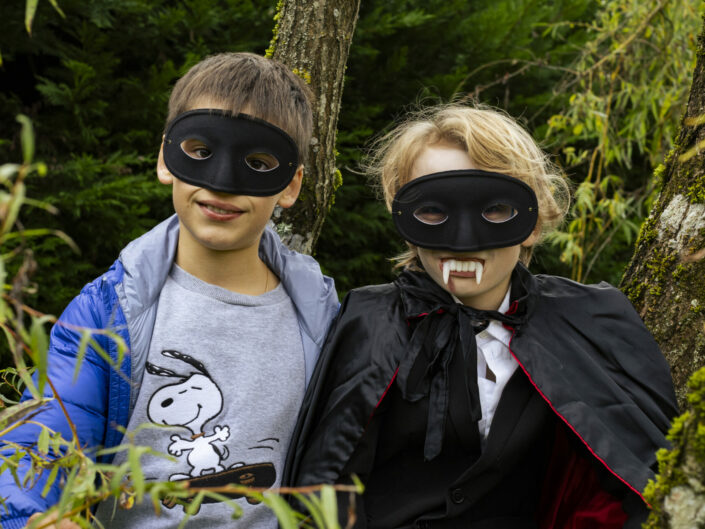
(96, 85)
(410, 53)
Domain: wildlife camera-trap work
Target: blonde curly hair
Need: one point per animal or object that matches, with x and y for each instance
(494, 142)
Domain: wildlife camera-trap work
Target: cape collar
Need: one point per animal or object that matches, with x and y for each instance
(443, 333)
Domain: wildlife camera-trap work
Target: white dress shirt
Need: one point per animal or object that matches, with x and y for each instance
(493, 353)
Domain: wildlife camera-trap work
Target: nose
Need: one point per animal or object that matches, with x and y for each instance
(167, 402)
(466, 235)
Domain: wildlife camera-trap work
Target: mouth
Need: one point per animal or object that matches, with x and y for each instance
(219, 210)
(196, 417)
(462, 268)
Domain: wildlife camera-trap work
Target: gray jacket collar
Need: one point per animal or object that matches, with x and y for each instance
(148, 259)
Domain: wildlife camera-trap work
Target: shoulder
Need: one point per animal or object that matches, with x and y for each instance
(312, 293)
(373, 301)
(380, 294)
(372, 314)
(92, 308)
(560, 291)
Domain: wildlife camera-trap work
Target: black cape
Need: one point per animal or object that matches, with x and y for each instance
(583, 348)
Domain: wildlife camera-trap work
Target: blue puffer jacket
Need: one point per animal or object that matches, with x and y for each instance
(124, 300)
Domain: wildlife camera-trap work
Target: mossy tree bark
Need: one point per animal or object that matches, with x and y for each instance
(313, 38)
(666, 276)
(677, 497)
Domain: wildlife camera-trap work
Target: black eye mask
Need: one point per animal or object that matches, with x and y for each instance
(241, 155)
(465, 211)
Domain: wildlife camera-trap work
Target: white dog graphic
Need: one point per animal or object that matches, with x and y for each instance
(191, 402)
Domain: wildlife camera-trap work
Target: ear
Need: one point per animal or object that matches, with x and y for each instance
(533, 238)
(291, 192)
(163, 174)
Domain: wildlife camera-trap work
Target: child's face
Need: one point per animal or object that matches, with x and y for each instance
(478, 279)
(218, 220)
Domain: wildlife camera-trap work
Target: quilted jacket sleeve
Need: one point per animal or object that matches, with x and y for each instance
(83, 395)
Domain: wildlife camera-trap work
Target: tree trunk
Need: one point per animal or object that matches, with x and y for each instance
(666, 276)
(313, 38)
(666, 282)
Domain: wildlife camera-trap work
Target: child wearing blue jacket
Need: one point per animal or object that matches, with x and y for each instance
(222, 322)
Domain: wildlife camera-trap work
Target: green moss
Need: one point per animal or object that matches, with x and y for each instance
(659, 263)
(635, 291)
(687, 433)
(337, 182)
(696, 191)
(678, 272)
(304, 74)
(269, 53)
(647, 232)
(658, 176)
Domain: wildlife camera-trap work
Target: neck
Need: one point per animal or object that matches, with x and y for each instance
(240, 270)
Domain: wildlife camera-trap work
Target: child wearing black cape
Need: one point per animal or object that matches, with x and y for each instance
(469, 392)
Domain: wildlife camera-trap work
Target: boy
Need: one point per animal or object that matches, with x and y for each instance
(222, 322)
(470, 393)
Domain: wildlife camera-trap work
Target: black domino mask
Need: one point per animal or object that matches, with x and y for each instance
(465, 211)
(239, 154)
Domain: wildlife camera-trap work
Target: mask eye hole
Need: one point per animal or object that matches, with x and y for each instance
(261, 162)
(499, 213)
(196, 149)
(431, 215)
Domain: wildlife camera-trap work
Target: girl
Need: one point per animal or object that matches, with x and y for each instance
(469, 392)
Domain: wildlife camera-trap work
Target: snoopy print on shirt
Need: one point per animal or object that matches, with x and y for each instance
(194, 402)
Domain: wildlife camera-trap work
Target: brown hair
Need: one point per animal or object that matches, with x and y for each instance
(494, 142)
(265, 87)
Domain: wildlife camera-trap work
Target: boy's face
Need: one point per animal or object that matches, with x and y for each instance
(218, 220)
(479, 279)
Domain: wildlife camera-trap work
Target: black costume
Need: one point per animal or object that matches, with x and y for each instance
(572, 443)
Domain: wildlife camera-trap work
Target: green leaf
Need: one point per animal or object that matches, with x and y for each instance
(56, 7)
(39, 345)
(86, 338)
(329, 506)
(43, 442)
(29, 12)
(282, 510)
(27, 138)
(15, 413)
(313, 508)
(15, 203)
(136, 474)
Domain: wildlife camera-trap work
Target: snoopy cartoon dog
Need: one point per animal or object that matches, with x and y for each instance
(191, 401)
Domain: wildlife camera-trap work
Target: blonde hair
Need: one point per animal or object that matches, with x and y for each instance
(494, 142)
(269, 90)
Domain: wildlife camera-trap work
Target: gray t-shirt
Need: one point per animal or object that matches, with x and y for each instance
(225, 379)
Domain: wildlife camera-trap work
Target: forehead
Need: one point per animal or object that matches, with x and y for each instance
(217, 104)
(440, 157)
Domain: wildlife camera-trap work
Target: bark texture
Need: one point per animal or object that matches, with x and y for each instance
(313, 38)
(666, 276)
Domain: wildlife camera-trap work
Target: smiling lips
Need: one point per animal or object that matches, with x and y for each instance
(220, 210)
(461, 266)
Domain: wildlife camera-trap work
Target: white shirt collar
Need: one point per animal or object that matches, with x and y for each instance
(495, 330)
